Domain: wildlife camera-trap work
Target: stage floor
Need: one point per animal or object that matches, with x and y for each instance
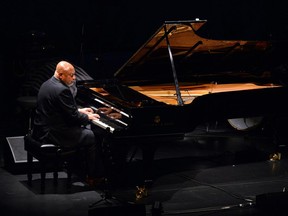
(216, 170)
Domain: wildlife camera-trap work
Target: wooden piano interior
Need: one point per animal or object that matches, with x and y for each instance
(167, 93)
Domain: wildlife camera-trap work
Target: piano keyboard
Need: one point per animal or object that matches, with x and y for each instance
(103, 125)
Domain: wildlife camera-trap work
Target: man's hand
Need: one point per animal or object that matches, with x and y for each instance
(93, 116)
(90, 113)
(86, 110)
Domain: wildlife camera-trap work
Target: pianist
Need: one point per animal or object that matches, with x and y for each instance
(58, 119)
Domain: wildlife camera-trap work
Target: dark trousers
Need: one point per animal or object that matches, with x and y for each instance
(81, 138)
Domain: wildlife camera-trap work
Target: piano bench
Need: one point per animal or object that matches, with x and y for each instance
(48, 155)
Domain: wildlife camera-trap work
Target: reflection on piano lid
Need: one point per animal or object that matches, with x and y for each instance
(112, 108)
(179, 78)
(98, 110)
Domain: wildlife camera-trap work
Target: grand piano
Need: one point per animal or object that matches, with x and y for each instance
(179, 79)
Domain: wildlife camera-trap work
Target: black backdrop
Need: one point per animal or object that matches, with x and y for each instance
(101, 35)
(101, 27)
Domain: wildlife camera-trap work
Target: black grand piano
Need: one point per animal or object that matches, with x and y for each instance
(179, 79)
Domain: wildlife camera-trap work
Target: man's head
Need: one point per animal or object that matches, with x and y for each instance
(65, 72)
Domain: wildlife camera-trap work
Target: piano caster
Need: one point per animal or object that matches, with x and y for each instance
(275, 156)
(141, 192)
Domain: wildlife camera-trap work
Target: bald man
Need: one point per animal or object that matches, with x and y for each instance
(58, 119)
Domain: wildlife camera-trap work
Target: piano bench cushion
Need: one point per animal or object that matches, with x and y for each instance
(37, 148)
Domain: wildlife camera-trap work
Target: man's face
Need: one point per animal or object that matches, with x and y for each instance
(68, 77)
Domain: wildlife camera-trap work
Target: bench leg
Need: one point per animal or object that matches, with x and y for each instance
(29, 168)
(55, 177)
(55, 171)
(69, 177)
(43, 176)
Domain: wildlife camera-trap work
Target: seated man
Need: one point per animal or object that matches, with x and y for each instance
(58, 119)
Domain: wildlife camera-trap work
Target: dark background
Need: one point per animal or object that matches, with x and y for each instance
(100, 36)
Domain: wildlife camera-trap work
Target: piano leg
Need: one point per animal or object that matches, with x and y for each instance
(115, 154)
(148, 153)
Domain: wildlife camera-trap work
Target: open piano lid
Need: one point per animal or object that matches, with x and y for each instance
(218, 79)
(176, 51)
